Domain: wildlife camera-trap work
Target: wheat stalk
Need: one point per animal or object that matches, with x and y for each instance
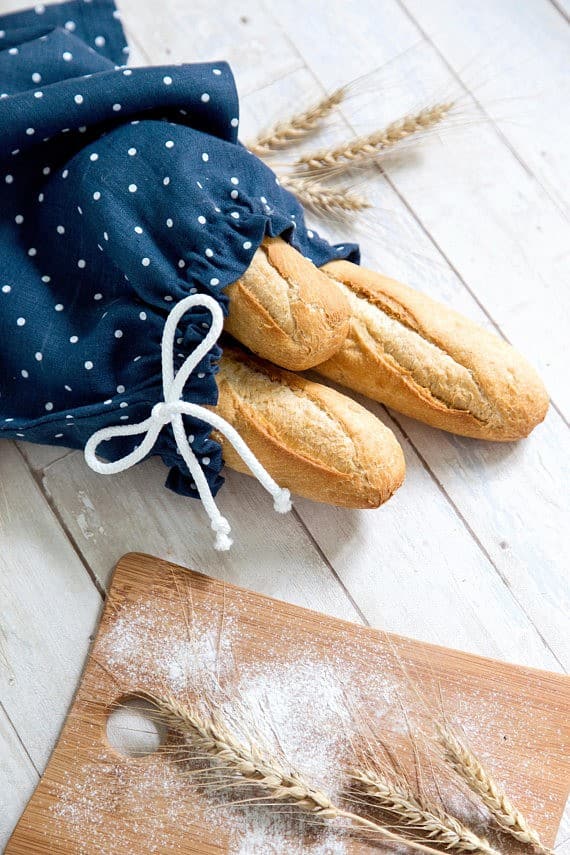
(364, 148)
(320, 198)
(480, 782)
(209, 735)
(294, 129)
(394, 796)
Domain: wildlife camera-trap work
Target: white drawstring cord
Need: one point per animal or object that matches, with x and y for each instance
(171, 411)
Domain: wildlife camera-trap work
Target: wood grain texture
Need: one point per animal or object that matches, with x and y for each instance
(70, 811)
(39, 457)
(446, 582)
(505, 244)
(497, 493)
(108, 516)
(242, 33)
(49, 607)
(378, 554)
(523, 48)
(505, 512)
(18, 778)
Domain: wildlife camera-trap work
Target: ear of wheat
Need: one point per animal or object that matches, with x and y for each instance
(365, 148)
(480, 782)
(393, 795)
(209, 736)
(323, 199)
(296, 128)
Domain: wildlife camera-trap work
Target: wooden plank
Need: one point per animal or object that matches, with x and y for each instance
(108, 516)
(18, 778)
(424, 268)
(413, 568)
(531, 472)
(492, 220)
(242, 33)
(343, 44)
(501, 491)
(514, 58)
(513, 498)
(49, 609)
(507, 244)
(170, 631)
(498, 490)
(39, 457)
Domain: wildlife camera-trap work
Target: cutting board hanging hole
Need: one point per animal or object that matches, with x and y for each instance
(132, 728)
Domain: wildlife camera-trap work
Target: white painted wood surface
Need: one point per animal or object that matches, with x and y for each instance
(472, 552)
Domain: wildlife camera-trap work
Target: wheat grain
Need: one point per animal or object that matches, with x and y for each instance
(210, 735)
(480, 782)
(393, 795)
(322, 199)
(365, 148)
(294, 129)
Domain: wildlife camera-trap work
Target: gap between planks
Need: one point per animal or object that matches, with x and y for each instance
(448, 261)
(489, 121)
(38, 480)
(477, 540)
(393, 417)
(18, 738)
(414, 446)
(37, 476)
(464, 523)
(319, 550)
(566, 17)
(468, 90)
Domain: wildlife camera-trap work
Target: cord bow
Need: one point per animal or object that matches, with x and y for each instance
(171, 410)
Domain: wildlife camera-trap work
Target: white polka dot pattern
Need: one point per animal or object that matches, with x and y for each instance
(111, 220)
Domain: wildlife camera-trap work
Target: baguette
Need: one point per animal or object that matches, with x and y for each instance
(286, 310)
(428, 362)
(311, 439)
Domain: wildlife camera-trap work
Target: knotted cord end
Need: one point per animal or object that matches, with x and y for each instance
(223, 540)
(282, 501)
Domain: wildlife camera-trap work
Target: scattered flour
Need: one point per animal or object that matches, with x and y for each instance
(300, 705)
(296, 704)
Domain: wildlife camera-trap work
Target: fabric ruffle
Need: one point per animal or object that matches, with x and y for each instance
(121, 192)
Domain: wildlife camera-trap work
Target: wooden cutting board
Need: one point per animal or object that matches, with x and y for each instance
(317, 679)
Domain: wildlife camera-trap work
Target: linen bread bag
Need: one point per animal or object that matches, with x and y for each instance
(128, 206)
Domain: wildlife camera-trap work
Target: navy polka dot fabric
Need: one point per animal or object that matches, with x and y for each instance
(122, 191)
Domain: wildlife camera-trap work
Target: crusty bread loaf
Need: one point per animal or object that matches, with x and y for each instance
(427, 361)
(311, 439)
(285, 309)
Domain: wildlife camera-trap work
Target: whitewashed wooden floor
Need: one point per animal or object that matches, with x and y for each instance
(471, 551)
